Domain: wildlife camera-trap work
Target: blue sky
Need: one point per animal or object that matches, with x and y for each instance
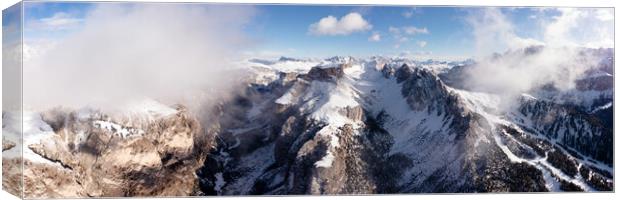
(287, 27)
(288, 30)
(11, 25)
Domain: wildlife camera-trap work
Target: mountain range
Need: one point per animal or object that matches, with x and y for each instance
(341, 125)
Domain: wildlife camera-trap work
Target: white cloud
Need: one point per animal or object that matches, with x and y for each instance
(58, 21)
(412, 30)
(407, 30)
(557, 32)
(330, 25)
(493, 32)
(591, 28)
(375, 37)
(557, 27)
(408, 14)
(401, 34)
(422, 44)
(122, 54)
(394, 30)
(411, 12)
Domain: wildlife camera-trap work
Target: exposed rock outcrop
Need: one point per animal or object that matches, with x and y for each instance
(91, 160)
(6, 144)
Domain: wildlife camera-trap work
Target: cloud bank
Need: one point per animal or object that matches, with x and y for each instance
(330, 25)
(128, 52)
(519, 64)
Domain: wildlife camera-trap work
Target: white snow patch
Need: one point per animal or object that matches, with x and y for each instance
(511, 156)
(326, 161)
(354, 71)
(603, 107)
(285, 99)
(328, 131)
(529, 96)
(117, 129)
(480, 102)
(35, 131)
(325, 100)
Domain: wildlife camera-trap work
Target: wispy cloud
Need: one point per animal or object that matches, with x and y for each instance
(408, 14)
(348, 24)
(493, 32)
(412, 30)
(591, 28)
(58, 21)
(408, 30)
(402, 34)
(411, 12)
(375, 37)
(422, 44)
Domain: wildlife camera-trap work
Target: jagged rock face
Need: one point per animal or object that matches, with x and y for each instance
(273, 152)
(474, 158)
(325, 74)
(570, 127)
(98, 156)
(424, 91)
